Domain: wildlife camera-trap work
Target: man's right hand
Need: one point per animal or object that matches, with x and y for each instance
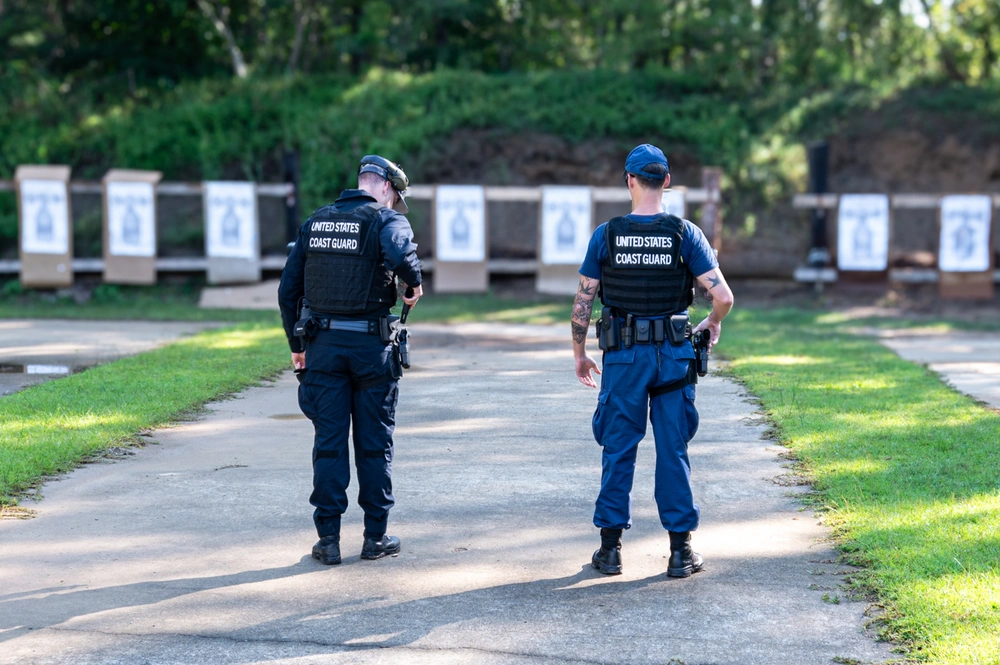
(299, 360)
(418, 291)
(584, 365)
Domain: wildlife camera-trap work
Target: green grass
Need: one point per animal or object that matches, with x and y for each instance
(905, 467)
(177, 303)
(50, 428)
(125, 303)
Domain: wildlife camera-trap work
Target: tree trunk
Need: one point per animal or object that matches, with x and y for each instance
(947, 55)
(303, 12)
(218, 20)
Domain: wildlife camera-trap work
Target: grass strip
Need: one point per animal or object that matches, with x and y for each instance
(905, 467)
(168, 304)
(50, 428)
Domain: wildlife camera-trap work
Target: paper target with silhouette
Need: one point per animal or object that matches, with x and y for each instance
(965, 233)
(566, 225)
(131, 219)
(44, 217)
(674, 203)
(460, 223)
(231, 220)
(863, 232)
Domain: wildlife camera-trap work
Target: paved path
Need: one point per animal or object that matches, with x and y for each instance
(77, 344)
(196, 550)
(970, 361)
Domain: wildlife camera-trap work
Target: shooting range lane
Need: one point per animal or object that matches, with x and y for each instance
(969, 361)
(197, 550)
(36, 350)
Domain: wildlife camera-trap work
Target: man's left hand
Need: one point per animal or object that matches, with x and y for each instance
(299, 360)
(711, 326)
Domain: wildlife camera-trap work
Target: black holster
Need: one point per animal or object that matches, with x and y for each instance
(306, 326)
(609, 329)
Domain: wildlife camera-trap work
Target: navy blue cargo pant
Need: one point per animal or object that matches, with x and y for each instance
(620, 423)
(350, 382)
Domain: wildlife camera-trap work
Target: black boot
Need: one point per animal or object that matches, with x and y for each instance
(608, 559)
(327, 550)
(684, 561)
(378, 545)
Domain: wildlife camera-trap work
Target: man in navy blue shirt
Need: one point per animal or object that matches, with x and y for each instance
(644, 266)
(344, 266)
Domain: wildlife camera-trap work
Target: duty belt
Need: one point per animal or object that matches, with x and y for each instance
(358, 325)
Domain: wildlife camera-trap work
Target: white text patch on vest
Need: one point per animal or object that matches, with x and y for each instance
(639, 259)
(337, 227)
(651, 242)
(332, 243)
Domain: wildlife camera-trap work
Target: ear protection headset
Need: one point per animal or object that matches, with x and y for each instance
(386, 169)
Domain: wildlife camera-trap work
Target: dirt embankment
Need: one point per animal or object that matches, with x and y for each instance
(891, 149)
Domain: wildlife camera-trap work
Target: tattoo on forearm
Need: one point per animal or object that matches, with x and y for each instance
(582, 307)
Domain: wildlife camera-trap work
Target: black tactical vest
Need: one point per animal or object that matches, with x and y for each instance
(345, 272)
(645, 274)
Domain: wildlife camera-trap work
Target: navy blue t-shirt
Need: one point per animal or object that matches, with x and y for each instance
(697, 252)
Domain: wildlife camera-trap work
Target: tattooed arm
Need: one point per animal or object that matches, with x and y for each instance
(722, 302)
(582, 308)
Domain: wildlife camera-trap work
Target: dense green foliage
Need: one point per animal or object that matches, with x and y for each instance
(735, 43)
(904, 467)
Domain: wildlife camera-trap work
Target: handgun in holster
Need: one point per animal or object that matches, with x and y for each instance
(305, 326)
(700, 340)
(608, 331)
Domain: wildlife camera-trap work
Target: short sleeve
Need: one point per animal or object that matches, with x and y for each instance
(697, 251)
(597, 252)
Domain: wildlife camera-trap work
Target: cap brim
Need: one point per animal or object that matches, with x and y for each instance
(400, 205)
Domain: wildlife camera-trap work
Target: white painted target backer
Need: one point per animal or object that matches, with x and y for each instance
(460, 223)
(674, 202)
(44, 216)
(965, 233)
(231, 220)
(863, 232)
(131, 218)
(566, 225)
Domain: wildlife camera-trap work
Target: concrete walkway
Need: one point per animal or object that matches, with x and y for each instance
(969, 361)
(196, 550)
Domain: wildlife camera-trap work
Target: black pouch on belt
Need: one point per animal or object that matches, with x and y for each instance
(659, 331)
(643, 331)
(677, 330)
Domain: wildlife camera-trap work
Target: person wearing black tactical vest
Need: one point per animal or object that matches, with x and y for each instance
(336, 292)
(644, 266)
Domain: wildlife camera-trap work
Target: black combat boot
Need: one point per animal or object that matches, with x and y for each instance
(327, 550)
(683, 560)
(378, 545)
(608, 559)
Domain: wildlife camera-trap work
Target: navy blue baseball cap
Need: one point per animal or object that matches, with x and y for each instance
(641, 157)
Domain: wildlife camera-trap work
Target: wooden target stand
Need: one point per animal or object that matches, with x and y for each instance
(45, 269)
(968, 285)
(122, 269)
(559, 279)
(862, 277)
(460, 276)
